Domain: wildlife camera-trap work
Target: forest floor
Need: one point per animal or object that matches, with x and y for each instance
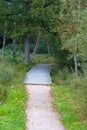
(39, 112)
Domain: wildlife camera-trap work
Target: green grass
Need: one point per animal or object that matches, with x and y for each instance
(12, 113)
(13, 104)
(13, 93)
(42, 59)
(68, 95)
(63, 104)
(79, 96)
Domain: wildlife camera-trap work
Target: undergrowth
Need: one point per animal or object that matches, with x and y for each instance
(42, 59)
(12, 96)
(63, 104)
(71, 98)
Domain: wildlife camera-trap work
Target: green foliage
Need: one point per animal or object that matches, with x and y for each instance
(61, 55)
(42, 48)
(70, 28)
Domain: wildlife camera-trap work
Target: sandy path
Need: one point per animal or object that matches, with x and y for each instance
(40, 115)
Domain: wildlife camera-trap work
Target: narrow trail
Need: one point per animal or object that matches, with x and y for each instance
(39, 112)
(40, 74)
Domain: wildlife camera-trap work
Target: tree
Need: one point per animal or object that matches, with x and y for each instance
(68, 24)
(37, 41)
(3, 26)
(23, 12)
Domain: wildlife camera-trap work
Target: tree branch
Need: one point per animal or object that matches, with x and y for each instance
(47, 28)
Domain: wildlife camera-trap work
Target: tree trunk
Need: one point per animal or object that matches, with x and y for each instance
(75, 56)
(4, 40)
(76, 64)
(19, 53)
(27, 50)
(76, 45)
(48, 48)
(14, 48)
(37, 42)
(3, 48)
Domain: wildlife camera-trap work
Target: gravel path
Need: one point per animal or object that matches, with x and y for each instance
(39, 112)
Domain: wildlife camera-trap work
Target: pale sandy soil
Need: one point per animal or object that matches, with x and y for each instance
(39, 112)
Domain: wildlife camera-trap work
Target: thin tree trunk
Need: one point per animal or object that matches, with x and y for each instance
(3, 49)
(27, 43)
(48, 48)
(75, 60)
(19, 50)
(4, 40)
(37, 42)
(76, 45)
(27, 50)
(14, 48)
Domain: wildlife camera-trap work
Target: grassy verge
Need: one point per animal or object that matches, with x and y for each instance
(12, 110)
(13, 94)
(63, 104)
(42, 59)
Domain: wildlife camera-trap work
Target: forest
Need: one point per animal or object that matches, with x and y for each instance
(44, 31)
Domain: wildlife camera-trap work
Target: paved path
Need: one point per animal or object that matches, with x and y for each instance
(39, 112)
(40, 74)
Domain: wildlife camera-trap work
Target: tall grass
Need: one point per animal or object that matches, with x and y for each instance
(42, 59)
(76, 98)
(6, 77)
(79, 95)
(12, 91)
(12, 96)
(63, 105)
